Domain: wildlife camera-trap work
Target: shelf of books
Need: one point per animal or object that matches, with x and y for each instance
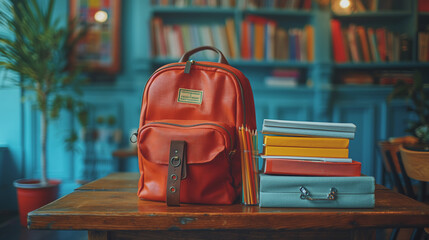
(373, 35)
(360, 44)
(254, 42)
(378, 39)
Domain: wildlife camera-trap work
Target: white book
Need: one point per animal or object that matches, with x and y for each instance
(317, 159)
(281, 81)
(173, 41)
(221, 32)
(207, 40)
(327, 126)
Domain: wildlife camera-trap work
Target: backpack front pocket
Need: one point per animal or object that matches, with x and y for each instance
(209, 147)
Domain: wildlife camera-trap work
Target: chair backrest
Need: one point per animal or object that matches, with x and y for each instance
(393, 148)
(392, 162)
(416, 164)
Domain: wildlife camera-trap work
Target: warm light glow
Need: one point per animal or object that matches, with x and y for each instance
(101, 16)
(345, 3)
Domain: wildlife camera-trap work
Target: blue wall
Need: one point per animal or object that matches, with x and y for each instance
(11, 157)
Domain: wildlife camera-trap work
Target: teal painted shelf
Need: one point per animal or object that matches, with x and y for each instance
(380, 65)
(381, 14)
(243, 63)
(264, 89)
(254, 63)
(192, 10)
(363, 88)
(280, 12)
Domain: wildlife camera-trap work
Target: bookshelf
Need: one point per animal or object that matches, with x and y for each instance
(320, 93)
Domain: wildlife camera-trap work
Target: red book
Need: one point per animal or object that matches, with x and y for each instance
(423, 6)
(284, 166)
(307, 5)
(337, 42)
(381, 42)
(246, 51)
(364, 43)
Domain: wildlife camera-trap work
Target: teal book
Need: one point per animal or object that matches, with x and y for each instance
(316, 192)
(306, 132)
(326, 126)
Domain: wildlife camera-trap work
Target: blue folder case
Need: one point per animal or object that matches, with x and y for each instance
(316, 192)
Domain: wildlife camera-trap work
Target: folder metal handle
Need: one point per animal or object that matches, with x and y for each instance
(306, 195)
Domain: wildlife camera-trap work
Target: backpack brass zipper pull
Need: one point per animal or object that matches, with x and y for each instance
(188, 66)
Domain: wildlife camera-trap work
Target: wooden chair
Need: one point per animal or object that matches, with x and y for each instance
(391, 166)
(395, 171)
(416, 166)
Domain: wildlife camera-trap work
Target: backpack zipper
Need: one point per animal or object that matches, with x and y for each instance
(192, 62)
(196, 125)
(188, 66)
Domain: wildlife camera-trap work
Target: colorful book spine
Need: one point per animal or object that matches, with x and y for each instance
(363, 39)
(309, 31)
(232, 38)
(306, 142)
(328, 126)
(291, 166)
(245, 40)
(306, 152)
(337, 42)
(263, 39)
(306, 132)
(373, 45)
(316, 159)
(173, 40)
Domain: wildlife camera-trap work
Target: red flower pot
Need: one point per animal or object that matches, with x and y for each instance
(32, 195)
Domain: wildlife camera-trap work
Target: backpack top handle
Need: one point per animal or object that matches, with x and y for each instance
(221, 58)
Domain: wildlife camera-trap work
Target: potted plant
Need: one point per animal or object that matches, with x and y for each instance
(37, 48)
(415, 156)
(415, 94)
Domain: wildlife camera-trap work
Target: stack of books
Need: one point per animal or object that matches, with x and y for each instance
(310, 148)
(302, 157)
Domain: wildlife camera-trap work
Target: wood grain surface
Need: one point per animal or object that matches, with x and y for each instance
(111, 203)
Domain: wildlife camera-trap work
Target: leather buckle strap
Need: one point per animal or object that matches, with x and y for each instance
(176, 171)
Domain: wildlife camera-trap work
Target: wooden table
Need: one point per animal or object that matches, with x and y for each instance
(109, 209)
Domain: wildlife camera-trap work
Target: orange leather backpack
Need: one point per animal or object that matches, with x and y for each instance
(188, 147)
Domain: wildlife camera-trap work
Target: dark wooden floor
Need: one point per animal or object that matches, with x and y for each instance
(10, 229)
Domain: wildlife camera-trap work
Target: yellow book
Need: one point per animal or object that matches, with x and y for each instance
(306, 152)
(259, 38)
(232, 39)
(310, 42)
(316, 142)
